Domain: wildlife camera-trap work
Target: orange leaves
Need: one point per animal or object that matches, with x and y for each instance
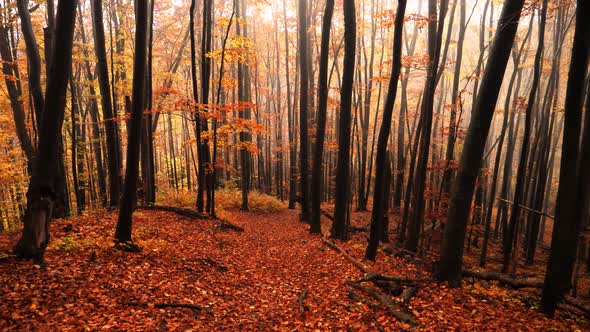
(420, 61)
(238, 48)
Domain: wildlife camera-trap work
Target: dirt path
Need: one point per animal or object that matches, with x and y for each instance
(245, 281)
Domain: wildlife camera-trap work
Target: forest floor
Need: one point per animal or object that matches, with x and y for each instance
(272, 276)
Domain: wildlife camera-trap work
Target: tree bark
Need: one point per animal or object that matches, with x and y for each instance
(43, 187)
(473, 149)
(342, 196)
(124, 222)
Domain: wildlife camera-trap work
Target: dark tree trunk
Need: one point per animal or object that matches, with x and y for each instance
(34, 59)
(303, 49)
(244, 96)
(316, 180)
(201, 124)
(520, 175)
(114, 160)
(381, 163)
(124, 223)
(342, 195)
(473, 149)
(573, 174)
(43, 187)
(434, 48)
(291, 120)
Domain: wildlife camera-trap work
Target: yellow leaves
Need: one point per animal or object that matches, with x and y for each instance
(238, 49)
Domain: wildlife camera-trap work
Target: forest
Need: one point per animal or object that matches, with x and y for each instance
(295, 165)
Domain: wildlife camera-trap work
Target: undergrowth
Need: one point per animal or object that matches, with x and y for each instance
(225, 199)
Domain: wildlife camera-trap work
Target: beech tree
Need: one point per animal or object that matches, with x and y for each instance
(473, 149)
(573, 190)
(43, 187)
(127, 204)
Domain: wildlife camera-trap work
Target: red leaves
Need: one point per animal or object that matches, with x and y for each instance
(260, 276)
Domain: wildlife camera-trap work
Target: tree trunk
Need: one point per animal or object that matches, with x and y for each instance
(316, 180)
(114, 160)
(573, 177)
(342, 196)
(43, 190)
(381, 163)
(473, 149)
(124, 223)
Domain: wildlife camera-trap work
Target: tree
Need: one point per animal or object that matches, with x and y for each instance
(434, 48)
(13, 87)
(127, 204)
(573, 175)
(520, 175)
(377, 215)
(302, 46)
(473, 149)
(316, 176)
(114, 160)
(342, 195)
(44, 183)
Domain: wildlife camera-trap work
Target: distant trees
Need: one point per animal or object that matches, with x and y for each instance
(44, 186)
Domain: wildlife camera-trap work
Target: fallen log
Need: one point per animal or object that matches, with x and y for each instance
(408, 293)
(390, 287)
(189, 213)
(349, 258)
(213, 264)
(356, 297)
(374, 277)
(580, 305)
(369, 274)
(224, 224)
(168, 305)
(192, 214)
(524, 283)
(504, 279)
(385, 301)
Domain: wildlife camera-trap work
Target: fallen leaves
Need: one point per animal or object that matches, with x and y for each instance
(252, 280)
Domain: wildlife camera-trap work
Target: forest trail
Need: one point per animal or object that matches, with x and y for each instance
(243, 281)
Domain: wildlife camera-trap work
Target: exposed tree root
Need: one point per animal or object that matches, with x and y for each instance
(127, 246)
(385, 301)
